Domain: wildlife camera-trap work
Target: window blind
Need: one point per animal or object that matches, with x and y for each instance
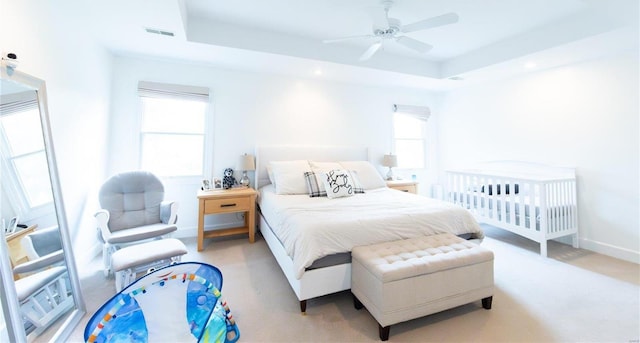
(166, 90)
(419, 112)
(18, 102)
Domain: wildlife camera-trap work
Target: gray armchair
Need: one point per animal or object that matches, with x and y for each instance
(133, 211)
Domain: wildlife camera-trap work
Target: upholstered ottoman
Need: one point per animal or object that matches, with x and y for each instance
(407, 279)
(133, 259)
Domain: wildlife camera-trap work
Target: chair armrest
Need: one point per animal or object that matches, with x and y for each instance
(169, 212)
(102, 220)
(42, 262)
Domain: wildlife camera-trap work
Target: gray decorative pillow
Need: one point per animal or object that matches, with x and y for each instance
(314, 185)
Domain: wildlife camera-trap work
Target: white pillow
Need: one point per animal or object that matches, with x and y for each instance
(272, 178)
(324, 166)
(289, 176)
(339, 183)
(367, 174)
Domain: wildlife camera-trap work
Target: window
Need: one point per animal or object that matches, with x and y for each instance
(409, 127)
(173, 130)
(24, 159)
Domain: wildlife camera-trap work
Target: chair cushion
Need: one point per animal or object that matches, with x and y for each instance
(140, 233)
(141, 254)
(132, 199)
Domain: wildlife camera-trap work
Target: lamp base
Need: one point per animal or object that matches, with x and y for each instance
(390, 174)
(244, 181)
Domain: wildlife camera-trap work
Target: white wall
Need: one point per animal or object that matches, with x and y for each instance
(583, 116)
(51, 44)
(252, 109)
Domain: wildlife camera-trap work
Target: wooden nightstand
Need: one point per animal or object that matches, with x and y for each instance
(404, 185)
(227, 201)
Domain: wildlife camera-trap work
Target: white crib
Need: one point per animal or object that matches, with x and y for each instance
(535, 201)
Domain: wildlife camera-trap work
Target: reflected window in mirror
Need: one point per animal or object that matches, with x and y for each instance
(25, 170)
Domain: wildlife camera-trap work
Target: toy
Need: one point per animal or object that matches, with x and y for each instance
(228, 181)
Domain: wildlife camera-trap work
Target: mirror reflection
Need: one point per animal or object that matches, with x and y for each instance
(29, 220)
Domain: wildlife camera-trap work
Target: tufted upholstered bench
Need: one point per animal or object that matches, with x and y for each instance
(407, 279)
(133, 259)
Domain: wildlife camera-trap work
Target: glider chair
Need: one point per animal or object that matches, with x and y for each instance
(133, 211)
(43, 242)
(43, 288)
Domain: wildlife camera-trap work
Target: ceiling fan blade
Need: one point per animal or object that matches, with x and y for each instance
(414, 44)
(346, 38)
(445, 19)
(372, 50)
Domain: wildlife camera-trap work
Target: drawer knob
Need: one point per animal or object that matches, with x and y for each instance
(228, 205)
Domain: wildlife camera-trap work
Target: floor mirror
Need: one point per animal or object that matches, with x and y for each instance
(41, 296)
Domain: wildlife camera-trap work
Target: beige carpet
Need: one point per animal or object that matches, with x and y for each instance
(572, 296)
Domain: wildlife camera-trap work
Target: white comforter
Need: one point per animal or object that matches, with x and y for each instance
(311, 228)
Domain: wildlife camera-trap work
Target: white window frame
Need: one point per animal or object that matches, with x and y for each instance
(420, 114)
(11, 179)
(171, 91)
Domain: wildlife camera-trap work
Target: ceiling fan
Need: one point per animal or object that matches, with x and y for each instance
(391, 29)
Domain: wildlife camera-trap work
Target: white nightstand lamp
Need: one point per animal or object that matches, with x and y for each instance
(390, 161)
(245, 164)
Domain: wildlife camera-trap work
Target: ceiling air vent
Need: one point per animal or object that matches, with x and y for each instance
(159, 32)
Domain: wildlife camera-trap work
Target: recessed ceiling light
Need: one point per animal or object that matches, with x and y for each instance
(317, 72)
(456, 78)
(530, 65)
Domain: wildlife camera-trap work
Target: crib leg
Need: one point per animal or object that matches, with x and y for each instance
(575, 241)
(543, 248)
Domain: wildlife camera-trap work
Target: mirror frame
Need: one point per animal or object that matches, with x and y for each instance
(11, 307)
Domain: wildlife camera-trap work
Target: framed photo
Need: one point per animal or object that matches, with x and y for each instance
(217, 183)
(206, 185)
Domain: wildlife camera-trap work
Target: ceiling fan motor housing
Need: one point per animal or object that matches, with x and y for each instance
(389, 32)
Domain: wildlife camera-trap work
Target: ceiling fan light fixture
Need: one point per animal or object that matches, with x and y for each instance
(389, 29)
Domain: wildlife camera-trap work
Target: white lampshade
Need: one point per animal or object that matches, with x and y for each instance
(390, 161)
(246, 162)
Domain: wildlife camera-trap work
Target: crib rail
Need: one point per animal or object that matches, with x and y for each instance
(536, 208)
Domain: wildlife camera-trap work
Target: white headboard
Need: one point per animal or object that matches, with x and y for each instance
(264, 154)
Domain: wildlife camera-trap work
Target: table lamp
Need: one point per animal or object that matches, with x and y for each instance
(245, 164)
(390, 161)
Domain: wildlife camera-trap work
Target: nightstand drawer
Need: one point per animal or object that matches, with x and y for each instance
(227, 205)
(407, 188)
(404, 185)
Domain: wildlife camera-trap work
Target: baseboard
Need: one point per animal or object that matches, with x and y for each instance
(610, 250)
(185, 232)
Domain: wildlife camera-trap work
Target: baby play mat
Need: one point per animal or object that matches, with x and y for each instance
(178, 303)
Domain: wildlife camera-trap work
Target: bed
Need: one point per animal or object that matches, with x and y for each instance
(311, 238)
(532, 200)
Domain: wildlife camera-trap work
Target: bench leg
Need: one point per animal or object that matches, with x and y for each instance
(303, 306)
(486, 303)
(384, 332)
(356, 303)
